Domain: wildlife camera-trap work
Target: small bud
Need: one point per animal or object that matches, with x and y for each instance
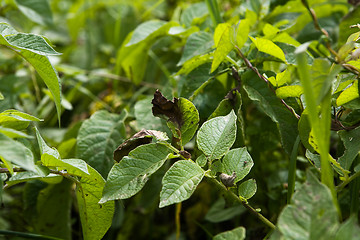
(228, 180)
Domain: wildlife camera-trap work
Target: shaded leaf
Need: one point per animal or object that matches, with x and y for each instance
(38, 11)
(216, 136)
(180, 182)
(235, 234)
(98, 137)
(144, 31)
(247, 189)
(129, 176)
(77, 167)
(218, 212)
(351, 140)
(237, 160)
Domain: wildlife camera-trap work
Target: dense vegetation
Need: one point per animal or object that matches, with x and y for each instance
(154, 119)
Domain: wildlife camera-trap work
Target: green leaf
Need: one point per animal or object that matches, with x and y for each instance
(144, 117)
(194, 12)
(15, 152)
(190, 120)
(98, 137)
(54, 205)
(289, 91)
(219, 212)
(77, 167)
(12, 133)
(44, 148)
(348, 94)
(281, 78)
(197, 44)
(259, 91)
(351, 140)
(201, 160)
(242, 32)
(248, 189)
(28, 176)
(95, 218)
(238, 160)
(348, 229)
(194, 63)
(146, 29)
(267, 46)
(235, 234)
(224, 45)
(38, 11)
(129, 176)
(16, 119)
(312, 213)
(180, 182)
(216, 136)
(34, 49)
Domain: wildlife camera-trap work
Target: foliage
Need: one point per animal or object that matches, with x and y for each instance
(192, 119)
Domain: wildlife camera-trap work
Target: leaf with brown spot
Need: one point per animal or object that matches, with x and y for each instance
(164, 108)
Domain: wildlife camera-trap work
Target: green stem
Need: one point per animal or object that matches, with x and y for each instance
(292, 170)
(26, 235)
(233, 196)
(347, 181)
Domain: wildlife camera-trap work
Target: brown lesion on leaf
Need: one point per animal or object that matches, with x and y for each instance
(164, 108)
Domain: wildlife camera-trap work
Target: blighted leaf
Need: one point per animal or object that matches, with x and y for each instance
(219, 212)
(180, 182)
(351, 140)
(289, 91)
(228, 180)
(181, 114)
(129, 176)
(312, 213)
(248, 189)
(98, 137)
(140, 138)
(216, 136)
(237, 160)
(267, 46)
(235, 234)
(95, 218)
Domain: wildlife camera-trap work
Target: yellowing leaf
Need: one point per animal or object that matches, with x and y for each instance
(224, 46)
(281, 78)
(348, 94)
(242, 32)
(267, 46)
(219, 32)
(289, 91)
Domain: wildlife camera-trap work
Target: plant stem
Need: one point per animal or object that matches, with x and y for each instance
(347, 181)
(233, 196)
(25, 235)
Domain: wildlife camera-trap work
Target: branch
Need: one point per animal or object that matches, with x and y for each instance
(254, 69)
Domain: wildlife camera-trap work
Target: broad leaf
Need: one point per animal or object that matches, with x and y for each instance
(237, 160)
(29, 176)
(38, 11)
(12, 133)
(180, 182)
(98, 137)
(219, 212)
(193, 13)
(267, 46)
(44, 148)
(197, 44)
(242, 32)
(190, 120)
(16, 119)
(15, 152)
(312, 214)
(77, 167)
(34, 49)
(235, 234)
(216, 136)
(259, 91)
(130, 175)
(95, 218)
(348, 229)
(289, 91)
(145, 30)
(224, 44)
(348, 94)
(351, 140)
(248, 188)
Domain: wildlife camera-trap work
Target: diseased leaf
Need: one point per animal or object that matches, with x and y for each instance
(311, 215)
(129, 176)
(235, 234)
(180, 182)
(98, 137)
(216, 136)
(95, 218)
(237, 160)
(351, 140)
(267, 46)
(248, 189)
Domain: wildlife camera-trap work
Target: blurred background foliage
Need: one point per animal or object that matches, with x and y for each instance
(90, 35)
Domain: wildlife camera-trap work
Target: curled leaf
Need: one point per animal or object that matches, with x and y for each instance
(164, 107)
